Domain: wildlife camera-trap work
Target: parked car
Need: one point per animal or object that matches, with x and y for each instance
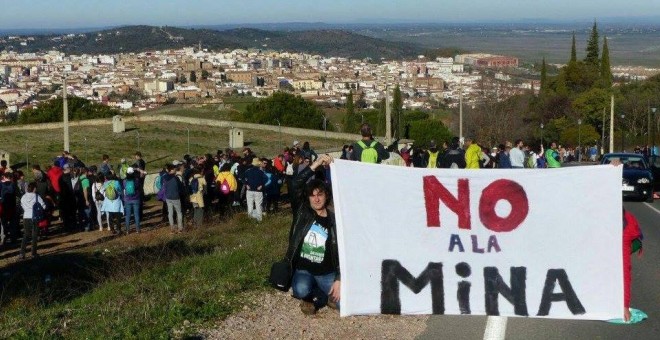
(638, 180)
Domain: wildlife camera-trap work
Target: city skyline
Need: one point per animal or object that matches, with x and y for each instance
(47, 14)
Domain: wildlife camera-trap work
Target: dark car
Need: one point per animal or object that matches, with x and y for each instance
(637, 175)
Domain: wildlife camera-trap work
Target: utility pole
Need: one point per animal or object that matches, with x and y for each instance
(388, 116)
(66, 115)
(460, 111)
(612, 124)
(648, 124)
(602, 135)
(580, 140)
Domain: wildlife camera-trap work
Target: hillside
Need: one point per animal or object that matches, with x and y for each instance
(143, 38)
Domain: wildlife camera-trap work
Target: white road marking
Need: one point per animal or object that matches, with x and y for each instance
(495, 328)
(652, 207)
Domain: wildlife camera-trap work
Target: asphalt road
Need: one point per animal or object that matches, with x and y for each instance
(645, 296)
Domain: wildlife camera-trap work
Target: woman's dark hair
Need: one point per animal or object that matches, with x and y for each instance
(317, 184)
(225, 167)
(33, 185)
(100, 178)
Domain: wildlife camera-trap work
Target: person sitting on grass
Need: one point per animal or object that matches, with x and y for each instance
(312, 249)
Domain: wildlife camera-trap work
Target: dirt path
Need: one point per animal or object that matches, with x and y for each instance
(59, 241)
(277, 315)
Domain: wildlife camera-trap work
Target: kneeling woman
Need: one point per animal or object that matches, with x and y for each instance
(312, 247)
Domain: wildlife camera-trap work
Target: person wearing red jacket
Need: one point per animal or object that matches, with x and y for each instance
(631, 231)
(54, 173)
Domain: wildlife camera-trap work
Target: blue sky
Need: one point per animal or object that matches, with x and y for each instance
(98, 13)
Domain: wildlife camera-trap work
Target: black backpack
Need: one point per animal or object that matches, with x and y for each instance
(194, 186)
(38, 212)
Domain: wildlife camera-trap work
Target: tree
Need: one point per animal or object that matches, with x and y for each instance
(397, 112)
(349, 118)
(423, 131)
(193, 77)
(79, 109)
(592, 47)
(605, 70)
(289, 109)
(205, 74)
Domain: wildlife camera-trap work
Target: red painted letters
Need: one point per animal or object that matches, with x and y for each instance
(502, 189)
(434, 192)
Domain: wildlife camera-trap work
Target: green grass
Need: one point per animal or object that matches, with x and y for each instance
(160, 142)
(145, 289)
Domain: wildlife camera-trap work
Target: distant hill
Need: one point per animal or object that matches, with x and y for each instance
(329, 42)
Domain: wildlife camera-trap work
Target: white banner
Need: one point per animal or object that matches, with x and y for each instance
(523, 242)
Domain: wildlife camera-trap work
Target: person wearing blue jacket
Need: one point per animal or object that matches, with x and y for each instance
(255, 181)
(173, 190)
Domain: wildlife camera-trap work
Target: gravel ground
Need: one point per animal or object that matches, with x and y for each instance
(277, 315)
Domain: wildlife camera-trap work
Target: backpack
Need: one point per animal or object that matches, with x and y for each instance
(38, 212)
(369, 153)
(194, 186)
(158, 183)
(130, 187)
(224, 187)
(111, 192)
(123, 170)
(530, 162)
(99, 195)
(77, 187)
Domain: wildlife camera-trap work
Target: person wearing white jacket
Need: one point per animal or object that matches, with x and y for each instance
(29, 226)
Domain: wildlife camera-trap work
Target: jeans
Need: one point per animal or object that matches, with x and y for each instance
(312, 288)
(198, 215)
(254, 201)
(30, 231)
(115, 221)
(87, 218)
(99, 216)
(135, 208)
(173, 205)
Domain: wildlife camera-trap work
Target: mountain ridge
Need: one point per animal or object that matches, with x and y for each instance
(140, 38)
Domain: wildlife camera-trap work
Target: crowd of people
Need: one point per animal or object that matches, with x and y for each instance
(196, 189)
(471, 155)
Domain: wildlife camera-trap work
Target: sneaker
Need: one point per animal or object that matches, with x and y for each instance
(307, 308)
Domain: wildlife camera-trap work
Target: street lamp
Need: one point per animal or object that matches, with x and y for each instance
(27, 156)
(541, 133)
(280, 130)
(623, 116)
(653, 151)
(579, 140)
(188, 130)
(325, 123)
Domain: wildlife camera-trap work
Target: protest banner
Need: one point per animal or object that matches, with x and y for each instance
(523, 242)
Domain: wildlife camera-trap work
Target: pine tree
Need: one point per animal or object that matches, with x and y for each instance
(544, 77)
(592, 47)
(605, 71)
(349, 118)
(573, 51)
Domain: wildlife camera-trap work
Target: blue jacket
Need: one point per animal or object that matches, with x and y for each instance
(255, 178)
(173, 186)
